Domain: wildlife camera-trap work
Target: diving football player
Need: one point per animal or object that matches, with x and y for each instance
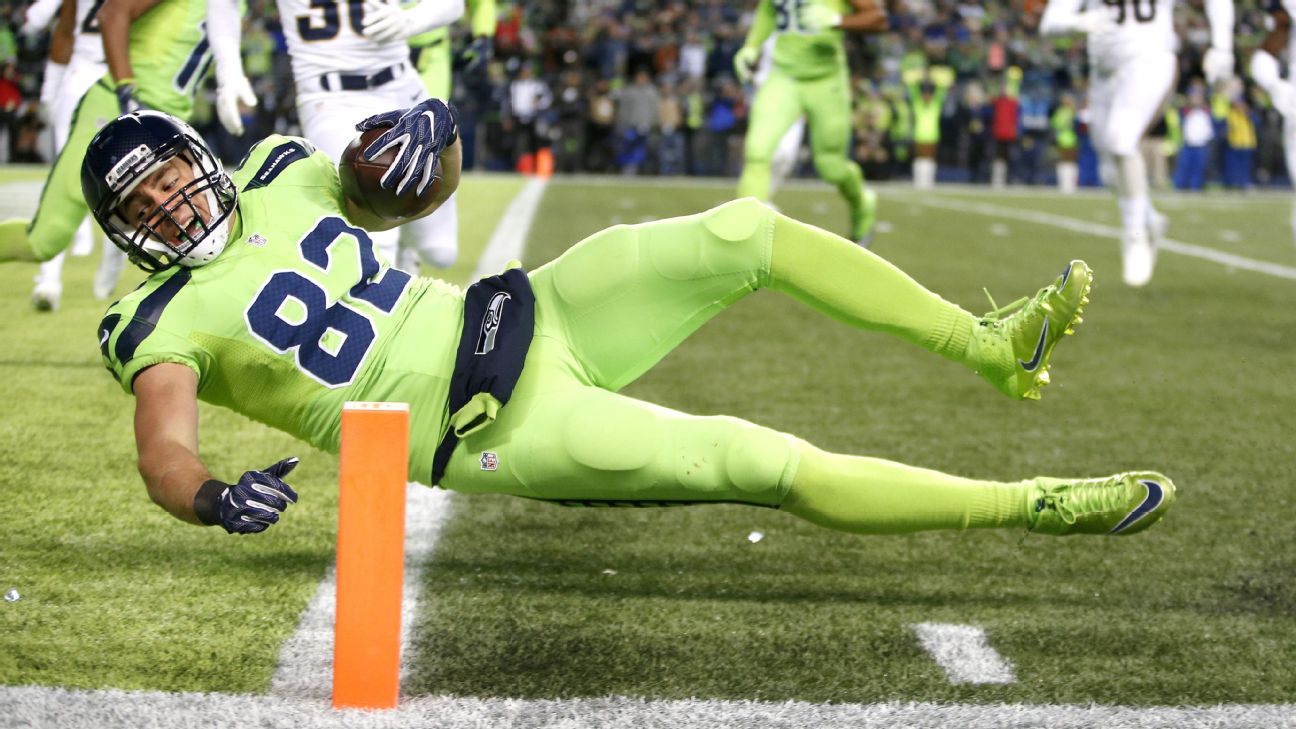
(512, 384)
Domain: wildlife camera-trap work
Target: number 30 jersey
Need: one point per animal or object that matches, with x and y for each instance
(326, 36)
(296, 316)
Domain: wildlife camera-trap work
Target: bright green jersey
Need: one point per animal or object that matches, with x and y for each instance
(801, 53)
(169, 54)
(296, 316)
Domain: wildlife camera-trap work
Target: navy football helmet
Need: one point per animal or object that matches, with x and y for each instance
(126, 152)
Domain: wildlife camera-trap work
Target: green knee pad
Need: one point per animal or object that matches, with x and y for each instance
(633, 451)
(737, 220)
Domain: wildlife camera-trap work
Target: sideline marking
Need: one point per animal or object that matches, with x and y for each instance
(964, 652)
(511, 232)
(28, 706)
(1106, 231)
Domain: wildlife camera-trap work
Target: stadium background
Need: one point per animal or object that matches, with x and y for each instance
(646, 87)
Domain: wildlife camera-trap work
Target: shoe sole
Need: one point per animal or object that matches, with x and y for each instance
(1041, 376)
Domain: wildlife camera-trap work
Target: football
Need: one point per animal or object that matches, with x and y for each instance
(360, 181)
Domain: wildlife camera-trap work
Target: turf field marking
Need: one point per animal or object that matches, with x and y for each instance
(1087, 227)
(964, 652)
(305, 669)
(511, 232)
(33, 706)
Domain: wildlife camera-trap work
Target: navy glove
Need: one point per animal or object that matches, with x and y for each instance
(126, 100)
(252, 504)
(420, 133)
(473, 58)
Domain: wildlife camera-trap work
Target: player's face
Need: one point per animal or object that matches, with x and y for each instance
(160, 201)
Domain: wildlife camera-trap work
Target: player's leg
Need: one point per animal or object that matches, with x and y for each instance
(1289, 152)
(631, 294)
(62, 206)
(560, 440)
(48, 291)
(774, 110)
(785, 155)
(432, 240)
(827, 105)
(1140, 88)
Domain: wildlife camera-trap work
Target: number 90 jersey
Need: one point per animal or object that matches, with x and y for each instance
(1145, 26)
(326, 36)
(296, 316)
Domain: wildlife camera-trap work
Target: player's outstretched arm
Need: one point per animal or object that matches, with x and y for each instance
(1217, 64)
(115, 18)
(1068, 16)
(870, 16)
(166, 436)
(1264, 65)
(225, 29)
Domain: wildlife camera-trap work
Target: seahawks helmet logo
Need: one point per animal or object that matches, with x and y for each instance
(491, 323)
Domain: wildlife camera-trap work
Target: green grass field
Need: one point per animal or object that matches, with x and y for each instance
(1191, 376)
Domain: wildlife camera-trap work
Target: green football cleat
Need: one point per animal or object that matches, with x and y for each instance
(864, 219)
(1126, 503)
(1012, 345)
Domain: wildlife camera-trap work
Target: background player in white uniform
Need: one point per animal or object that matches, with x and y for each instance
(1132, 63)
(349, 59)
(1278, 45)
(76, 63)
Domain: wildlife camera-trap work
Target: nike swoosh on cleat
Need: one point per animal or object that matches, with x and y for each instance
(1039, 350)
(1155, 495)
(1066, 276)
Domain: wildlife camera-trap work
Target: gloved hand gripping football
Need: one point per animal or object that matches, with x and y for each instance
(420, 134)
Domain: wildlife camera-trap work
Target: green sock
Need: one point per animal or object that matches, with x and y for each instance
(852, 285)
(14, 245)
(873, 496)
(851, 187)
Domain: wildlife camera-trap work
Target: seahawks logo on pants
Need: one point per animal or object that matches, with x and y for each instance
(491, 323)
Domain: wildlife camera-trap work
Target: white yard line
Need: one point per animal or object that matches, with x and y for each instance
(511, 233)
(964, 652)
(1087, 227)
(305, 669)
(31, 706)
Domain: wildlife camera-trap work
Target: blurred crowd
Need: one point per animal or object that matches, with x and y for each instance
(647, 87)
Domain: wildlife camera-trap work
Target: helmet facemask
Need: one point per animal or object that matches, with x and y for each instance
(158, 241)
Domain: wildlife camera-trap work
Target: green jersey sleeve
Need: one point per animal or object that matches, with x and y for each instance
(137, 332)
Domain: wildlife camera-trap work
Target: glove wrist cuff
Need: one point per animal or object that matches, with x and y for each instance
(207, 501)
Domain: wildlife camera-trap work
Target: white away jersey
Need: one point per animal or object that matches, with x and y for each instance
(1146, 26)
(87, 44)
(325, 36)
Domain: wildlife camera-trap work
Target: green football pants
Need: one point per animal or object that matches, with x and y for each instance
(62, 206)
(607, 310)
(826, 104)
(613, 305)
